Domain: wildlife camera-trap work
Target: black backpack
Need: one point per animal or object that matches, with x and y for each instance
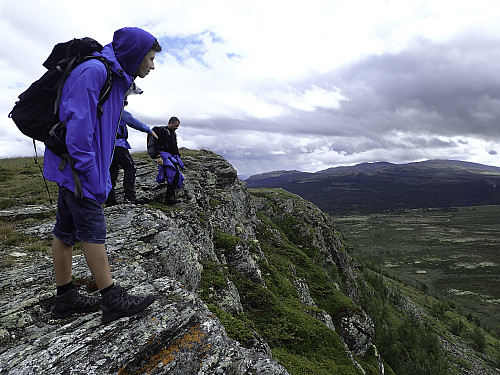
(151, 146)
(155, 145)
(36, 114)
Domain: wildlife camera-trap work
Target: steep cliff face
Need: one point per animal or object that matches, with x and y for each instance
(246, 283)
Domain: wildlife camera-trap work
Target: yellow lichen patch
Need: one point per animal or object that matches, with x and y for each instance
(191, 339)
(150, 341)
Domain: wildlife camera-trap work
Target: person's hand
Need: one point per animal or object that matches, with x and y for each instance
(159, 160)
(154, 134)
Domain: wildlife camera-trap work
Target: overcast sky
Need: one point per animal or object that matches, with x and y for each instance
(282, 85)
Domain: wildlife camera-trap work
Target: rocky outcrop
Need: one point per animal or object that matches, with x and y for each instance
(177, 335)
(356, 329)
(354, 326)
(164, 250)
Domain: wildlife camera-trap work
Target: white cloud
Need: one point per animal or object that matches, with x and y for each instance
(315, 98)
(289, 85)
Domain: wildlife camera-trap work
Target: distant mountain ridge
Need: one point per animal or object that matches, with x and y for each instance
(384, 186)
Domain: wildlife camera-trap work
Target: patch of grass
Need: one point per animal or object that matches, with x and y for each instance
(291, 333)
(272, 193)
(162, 206)
(202, 218)
(238, 327)
(297, 340)
(214, 203)
(225, 241)
(7, 262)
(292, 227)
(213, 278)
(12, 238)
(22, 183)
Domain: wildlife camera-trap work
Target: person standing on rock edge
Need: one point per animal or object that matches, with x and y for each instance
(122, 157)
(165, 151)
(90, 141)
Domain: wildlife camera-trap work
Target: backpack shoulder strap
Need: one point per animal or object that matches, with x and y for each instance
(105, 90)
(63, 79)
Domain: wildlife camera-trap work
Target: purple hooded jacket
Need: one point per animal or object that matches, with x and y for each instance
(90, 139)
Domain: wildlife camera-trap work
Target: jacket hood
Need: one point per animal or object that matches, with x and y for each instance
(130, 45)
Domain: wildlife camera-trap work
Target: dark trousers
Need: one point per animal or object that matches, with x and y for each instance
(122, 158)
(171, 187)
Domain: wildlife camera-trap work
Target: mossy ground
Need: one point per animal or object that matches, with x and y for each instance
(297, 340)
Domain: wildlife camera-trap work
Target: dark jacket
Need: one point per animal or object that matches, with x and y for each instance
(90, 139)
(166, 142)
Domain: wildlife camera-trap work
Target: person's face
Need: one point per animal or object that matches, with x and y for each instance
(173, 125)
(146, 65)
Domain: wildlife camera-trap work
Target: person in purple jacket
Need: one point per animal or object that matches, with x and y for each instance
(90, 141)
(122, 157)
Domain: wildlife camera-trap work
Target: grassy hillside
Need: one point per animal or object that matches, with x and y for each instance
(21, 183)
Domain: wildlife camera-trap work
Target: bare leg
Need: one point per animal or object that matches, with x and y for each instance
(69, 302)
(97, 260)
(62, 257)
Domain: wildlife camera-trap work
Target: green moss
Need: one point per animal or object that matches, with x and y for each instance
(297, 364)
(272, 194)
(369, 362)
(300, 342)
(213, 278)
(202, 218)
(162, 206)
(292, 229)
(225, 241)
(214, 203)
(238, 327)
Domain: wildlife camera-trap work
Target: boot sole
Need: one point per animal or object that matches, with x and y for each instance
(111, 317)
(58, 315)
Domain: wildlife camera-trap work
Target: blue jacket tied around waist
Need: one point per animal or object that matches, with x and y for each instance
(90, 139)
(171, 166)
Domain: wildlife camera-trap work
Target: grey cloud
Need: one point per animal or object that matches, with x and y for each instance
(447, 89)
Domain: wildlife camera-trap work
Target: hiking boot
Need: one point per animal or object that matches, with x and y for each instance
(117, 303)
(135, 200)
(72, 302)
(110, 203)
(171, 201)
